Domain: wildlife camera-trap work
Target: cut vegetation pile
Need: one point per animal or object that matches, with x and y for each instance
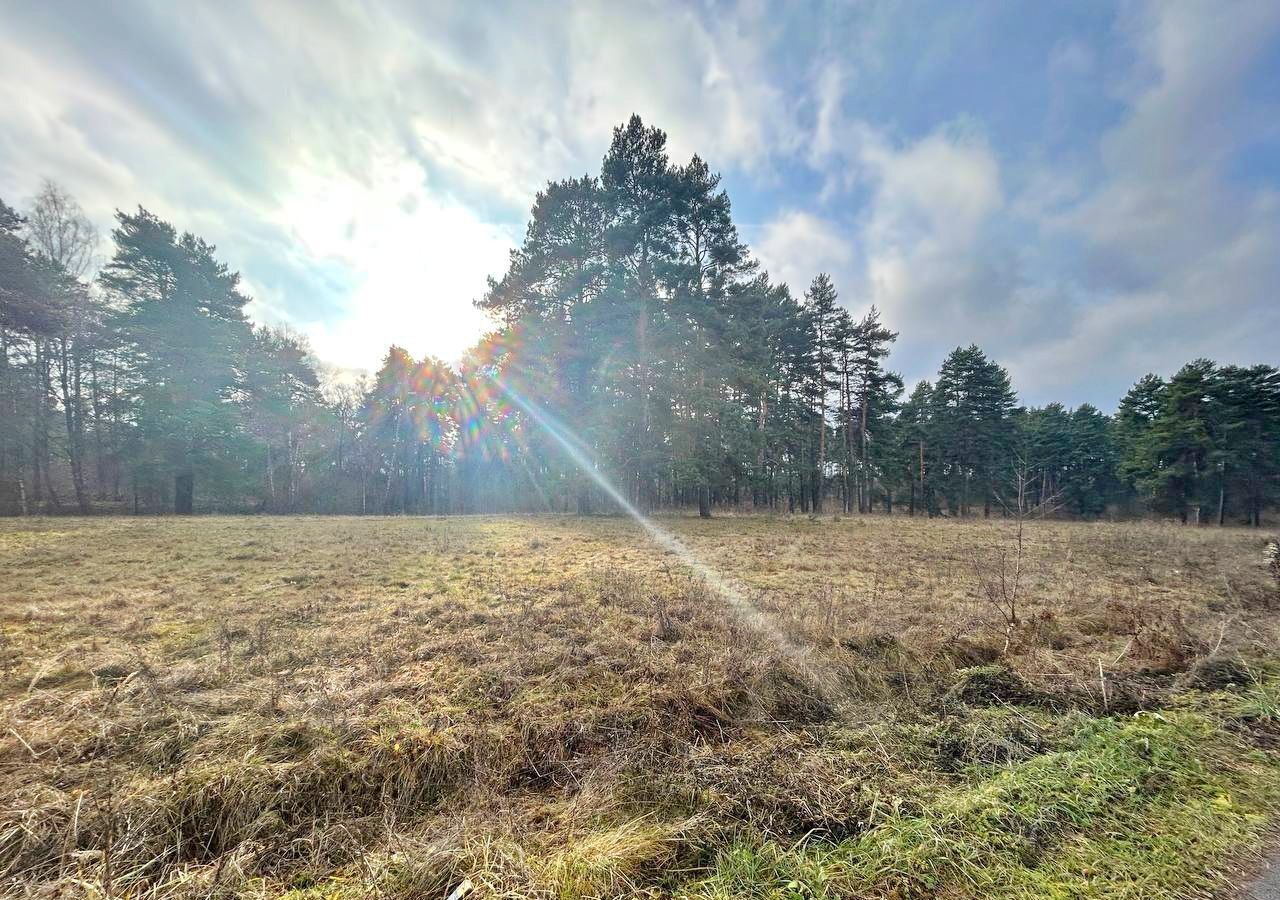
(340, 708)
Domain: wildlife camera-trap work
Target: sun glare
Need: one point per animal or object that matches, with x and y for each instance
(411, 252)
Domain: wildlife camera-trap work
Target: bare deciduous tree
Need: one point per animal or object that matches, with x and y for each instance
(1000, 579)
(59, 230)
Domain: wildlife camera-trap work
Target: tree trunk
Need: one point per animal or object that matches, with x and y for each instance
(37, 422)
(77, 471)
(704, 501)
(75, 431)
(53, 504)
(184, 484)
(116, 466)
(95, 404)
(295, 459)
(391, 468)
(271, 477)
(10, 447)
(406, 486)
(819, 476)
(928, 511)
(864, 490)
(846, 403)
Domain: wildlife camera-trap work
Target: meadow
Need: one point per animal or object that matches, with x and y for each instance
(557, 707)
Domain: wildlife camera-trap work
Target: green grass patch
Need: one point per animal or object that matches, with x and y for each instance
(1147, 806)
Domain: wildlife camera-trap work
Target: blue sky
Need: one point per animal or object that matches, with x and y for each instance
(1090, 191)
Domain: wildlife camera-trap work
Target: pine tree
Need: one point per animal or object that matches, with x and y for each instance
(1173, 454)
(709, 258)
(633, 316)
(1138, 410)
(1246, 454)
(282, 396)
(872, 396)
(971, 416)
(182, 318)
(911, 429)
(1090, 483)
(827, 323)
(640, 195)
(27, 317)
(557, 345)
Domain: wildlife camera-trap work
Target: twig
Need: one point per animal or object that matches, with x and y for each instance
(14, 732)
(1222, 633)
(1102, 679)
(1122, 653)
(44, 669)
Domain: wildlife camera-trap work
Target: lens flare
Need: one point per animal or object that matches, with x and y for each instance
(815, 671)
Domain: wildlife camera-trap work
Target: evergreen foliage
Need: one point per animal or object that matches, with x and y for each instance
(632, 325)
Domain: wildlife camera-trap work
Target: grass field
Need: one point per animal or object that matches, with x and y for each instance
(553, 707)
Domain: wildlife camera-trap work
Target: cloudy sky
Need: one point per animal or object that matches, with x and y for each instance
(1088, 190)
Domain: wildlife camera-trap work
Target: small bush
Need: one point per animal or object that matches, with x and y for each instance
(1219, 671)
(987, 737)
(987, 685)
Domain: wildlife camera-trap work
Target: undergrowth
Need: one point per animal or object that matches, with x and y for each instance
(1152, 805)
(339, 709)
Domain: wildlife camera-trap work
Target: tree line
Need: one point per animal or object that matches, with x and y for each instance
(635, 340)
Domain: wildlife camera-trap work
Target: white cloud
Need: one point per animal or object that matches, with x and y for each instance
(366, 166)
(923, 244)
(932, 196)
(1164, 190)
(926, 248)
(1140, 251)
(797, 245)
(1179, 255)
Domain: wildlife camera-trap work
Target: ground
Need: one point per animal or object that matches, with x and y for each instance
(558, 707)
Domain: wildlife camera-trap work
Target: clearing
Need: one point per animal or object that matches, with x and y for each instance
(554, 707)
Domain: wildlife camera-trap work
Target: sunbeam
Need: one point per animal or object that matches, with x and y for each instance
(816, 671)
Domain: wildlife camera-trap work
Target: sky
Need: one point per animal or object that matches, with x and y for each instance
(1090, 191)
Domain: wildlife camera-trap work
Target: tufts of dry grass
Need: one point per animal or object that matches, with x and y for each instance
(552, 707)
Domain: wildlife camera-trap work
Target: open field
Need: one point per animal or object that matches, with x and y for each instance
(553, 707)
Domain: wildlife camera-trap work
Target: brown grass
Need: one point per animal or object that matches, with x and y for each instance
(549, 706)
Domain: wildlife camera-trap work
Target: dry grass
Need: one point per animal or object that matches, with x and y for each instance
(332, 707)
